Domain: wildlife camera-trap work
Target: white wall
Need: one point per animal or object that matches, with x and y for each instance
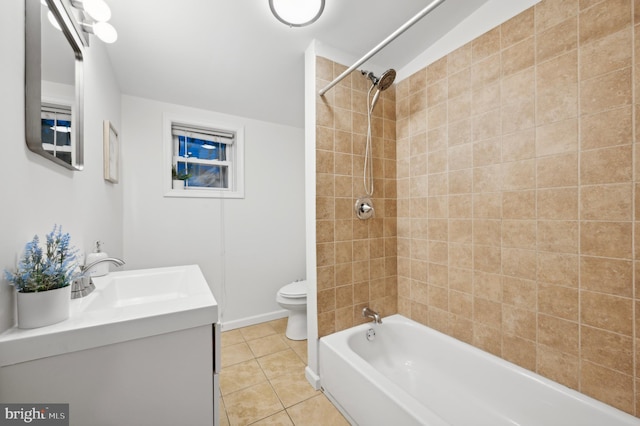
(263, 246)
(35, 192)
(253, 245)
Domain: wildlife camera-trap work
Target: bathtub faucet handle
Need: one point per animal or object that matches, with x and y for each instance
(369, 313)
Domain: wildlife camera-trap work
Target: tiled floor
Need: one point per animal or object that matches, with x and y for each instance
(262, 380)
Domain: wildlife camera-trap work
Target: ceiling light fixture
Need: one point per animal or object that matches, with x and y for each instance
(297, 13)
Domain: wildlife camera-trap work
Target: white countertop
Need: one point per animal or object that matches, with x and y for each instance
(92, 323)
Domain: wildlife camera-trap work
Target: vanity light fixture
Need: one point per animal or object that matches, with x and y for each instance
(96, 13)
(297, 13)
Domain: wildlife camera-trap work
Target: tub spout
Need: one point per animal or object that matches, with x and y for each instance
(369, 313)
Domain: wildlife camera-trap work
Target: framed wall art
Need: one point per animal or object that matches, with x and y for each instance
(111, 152)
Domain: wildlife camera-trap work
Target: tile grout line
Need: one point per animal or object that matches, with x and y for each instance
(269, 380)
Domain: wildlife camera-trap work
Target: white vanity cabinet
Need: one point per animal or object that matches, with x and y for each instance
(156, 369)
(160, 380)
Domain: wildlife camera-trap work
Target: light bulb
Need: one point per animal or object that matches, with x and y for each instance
(105, 32)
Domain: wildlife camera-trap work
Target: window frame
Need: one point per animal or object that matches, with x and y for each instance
(235, 156)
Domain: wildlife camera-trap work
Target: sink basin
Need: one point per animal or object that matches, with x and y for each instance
(137, 288)
(152, 291)
(125, 305)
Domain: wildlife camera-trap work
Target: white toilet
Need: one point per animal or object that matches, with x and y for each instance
(293, 297)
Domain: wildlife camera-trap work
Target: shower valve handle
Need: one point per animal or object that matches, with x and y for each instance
(364, 208)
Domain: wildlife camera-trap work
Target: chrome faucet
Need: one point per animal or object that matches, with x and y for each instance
(83, 285)
(369, 313)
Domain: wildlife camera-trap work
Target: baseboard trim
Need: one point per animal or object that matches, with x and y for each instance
(256, 319)
(312, 377)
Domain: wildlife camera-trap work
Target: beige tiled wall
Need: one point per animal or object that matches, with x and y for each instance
(517, 195)
(356, 259)
(507, 196)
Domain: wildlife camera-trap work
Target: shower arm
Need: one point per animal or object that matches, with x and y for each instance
(424, 12)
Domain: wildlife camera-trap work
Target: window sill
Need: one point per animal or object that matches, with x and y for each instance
(197, 193)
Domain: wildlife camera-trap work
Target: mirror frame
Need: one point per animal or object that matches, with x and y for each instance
(33, 78)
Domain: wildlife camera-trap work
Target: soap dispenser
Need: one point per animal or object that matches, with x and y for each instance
(101, 268)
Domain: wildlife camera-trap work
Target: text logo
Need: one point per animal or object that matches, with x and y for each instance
(34, 414)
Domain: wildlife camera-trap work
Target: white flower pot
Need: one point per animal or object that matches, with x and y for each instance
(43, 307)
(178, 184)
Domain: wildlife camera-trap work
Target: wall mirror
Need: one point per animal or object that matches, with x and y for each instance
(54, 82)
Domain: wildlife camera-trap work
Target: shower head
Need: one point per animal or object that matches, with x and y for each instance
(381, 83)
(384, 81)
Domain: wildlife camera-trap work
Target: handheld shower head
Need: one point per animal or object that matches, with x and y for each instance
(384, 81)
(381, 83)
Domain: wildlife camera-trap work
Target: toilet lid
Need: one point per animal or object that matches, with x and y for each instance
(294, 290)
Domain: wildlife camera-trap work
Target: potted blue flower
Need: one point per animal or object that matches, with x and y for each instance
(43, 280)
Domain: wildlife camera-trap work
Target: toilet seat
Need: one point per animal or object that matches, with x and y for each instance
(295, 290)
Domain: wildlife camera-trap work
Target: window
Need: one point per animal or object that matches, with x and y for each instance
(207, 157)
(56, 131)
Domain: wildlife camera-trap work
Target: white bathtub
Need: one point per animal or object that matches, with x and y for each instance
(410, 374)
